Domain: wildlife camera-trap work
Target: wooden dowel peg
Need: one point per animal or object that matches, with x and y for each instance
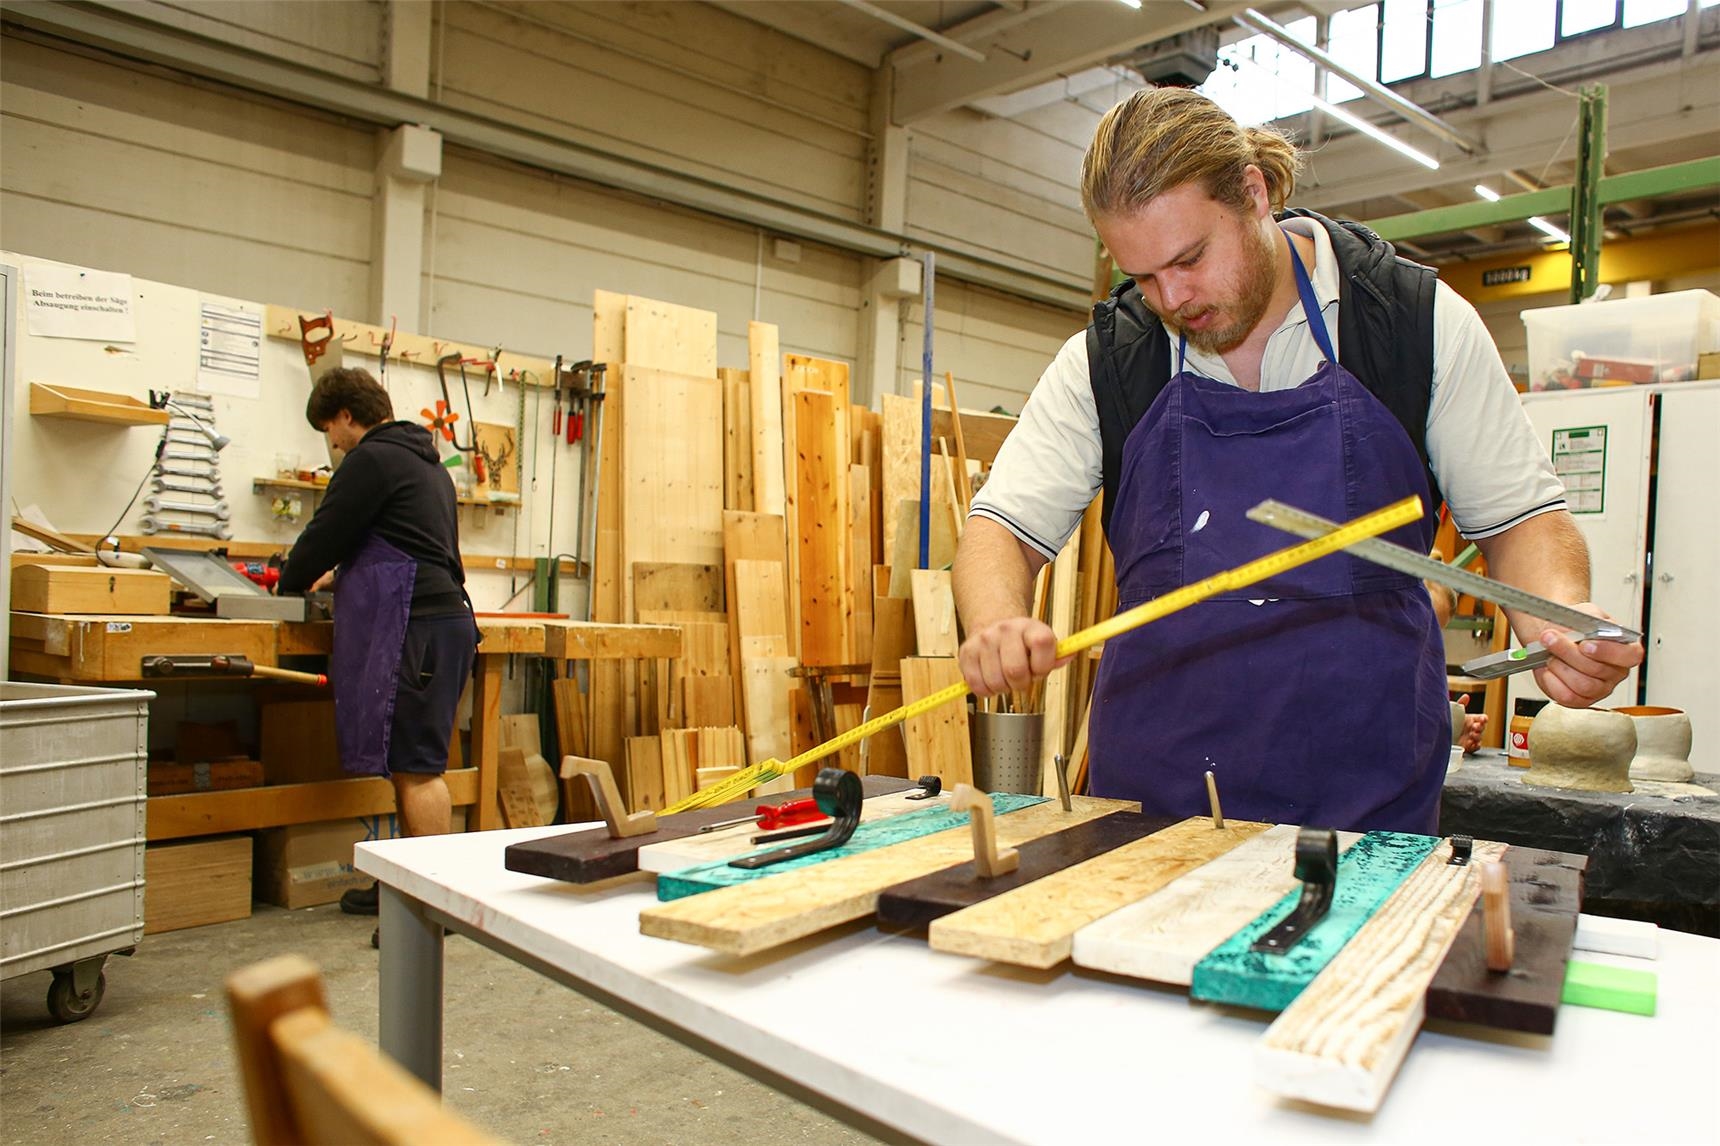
(1212, 798)
(1497, 935)
(608, 797)
(987, 858)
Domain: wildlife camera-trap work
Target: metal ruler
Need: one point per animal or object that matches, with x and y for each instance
(1586, 626)
(1332, 539)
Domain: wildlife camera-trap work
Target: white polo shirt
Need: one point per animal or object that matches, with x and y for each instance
(1493, 471)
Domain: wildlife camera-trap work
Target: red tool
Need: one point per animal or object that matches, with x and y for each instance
(773, 816)
(263, 573)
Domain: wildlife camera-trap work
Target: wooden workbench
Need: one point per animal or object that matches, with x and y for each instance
(110, 650)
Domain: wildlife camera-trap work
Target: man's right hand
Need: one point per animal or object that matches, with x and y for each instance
(1009, 654)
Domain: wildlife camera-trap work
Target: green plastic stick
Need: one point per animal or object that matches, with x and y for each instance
(1610, 988)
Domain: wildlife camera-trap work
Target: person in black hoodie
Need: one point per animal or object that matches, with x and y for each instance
(404, 637)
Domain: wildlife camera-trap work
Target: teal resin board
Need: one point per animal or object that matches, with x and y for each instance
(867, 837)
(1368, 872)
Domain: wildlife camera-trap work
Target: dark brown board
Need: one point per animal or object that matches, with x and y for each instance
(592, 854)
(1546, 894)
(919, 901)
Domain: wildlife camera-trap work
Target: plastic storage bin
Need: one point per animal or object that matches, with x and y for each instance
(1621, 341)
(73, 787)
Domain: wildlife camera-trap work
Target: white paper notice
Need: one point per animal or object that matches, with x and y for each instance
(70, 302)
(229, 350)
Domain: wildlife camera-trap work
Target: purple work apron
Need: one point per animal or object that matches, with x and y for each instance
(372, 604)
(1315, 698)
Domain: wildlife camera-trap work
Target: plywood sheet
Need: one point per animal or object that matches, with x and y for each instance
(919, 901)
(665, 336)
(761, 619)
(1368, 872)
(769, 719)
(1342, 1039)
(867, 837)
(745, 920)
(1163, 936)
(1035, 925)
(731, 843)
(591, 854)
(660, 586)
(671, 471)
(821, 542)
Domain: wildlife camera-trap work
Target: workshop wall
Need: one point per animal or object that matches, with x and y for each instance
(995, 345)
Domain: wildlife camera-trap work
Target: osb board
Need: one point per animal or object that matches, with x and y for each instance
(1035, 925)
(499, 446)
(937, 743)
(1368, 872)
(1163, 936)
(1546, 895)
(703, 878)
(744, 920)
(591, 854)
(764, 383)
(672, 470)
(919, 901)
(678, 339)
(1342, 1039)
(821, 543)
(730, 843)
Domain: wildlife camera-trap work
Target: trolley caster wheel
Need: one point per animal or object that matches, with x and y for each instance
(67, 1006)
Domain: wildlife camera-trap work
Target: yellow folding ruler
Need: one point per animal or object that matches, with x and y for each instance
(1280, 561)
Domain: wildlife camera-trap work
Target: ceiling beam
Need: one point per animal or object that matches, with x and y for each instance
(930, 35)
(1064, 40)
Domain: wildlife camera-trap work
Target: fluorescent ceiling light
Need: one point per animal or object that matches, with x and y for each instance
(1375, 133)
(1534, 221)
(1130, 3)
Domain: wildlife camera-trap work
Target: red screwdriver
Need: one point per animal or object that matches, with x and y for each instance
(771, 817)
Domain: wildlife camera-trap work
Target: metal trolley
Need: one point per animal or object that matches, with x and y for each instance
(72, 825)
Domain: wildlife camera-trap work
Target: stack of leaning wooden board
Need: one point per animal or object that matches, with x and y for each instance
(776, 522)
(1105, 887)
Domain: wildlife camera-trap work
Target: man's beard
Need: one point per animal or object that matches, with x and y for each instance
(1255, 280)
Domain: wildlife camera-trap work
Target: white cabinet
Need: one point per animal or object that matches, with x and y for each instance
(1642, 468)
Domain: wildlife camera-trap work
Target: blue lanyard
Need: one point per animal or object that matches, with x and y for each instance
(1310, 310)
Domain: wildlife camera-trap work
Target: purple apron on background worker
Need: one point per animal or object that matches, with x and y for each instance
(1317, 697)
(364, 668)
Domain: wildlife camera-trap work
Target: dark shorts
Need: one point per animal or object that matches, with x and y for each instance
(435, 663)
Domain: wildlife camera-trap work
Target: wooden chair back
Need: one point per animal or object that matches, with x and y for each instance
(308, 1081)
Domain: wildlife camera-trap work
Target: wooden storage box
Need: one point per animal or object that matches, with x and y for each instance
(307, 864)
(197, 882)
(169, 778)
(73, 589)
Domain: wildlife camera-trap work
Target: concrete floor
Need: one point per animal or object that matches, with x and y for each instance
(526, 1059)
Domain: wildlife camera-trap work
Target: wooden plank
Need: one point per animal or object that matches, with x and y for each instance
(421, 349)
(791, 905)
(764, 377)
(901, 462)
(761, 617)
(1368, 872)
(749, 537)
(1054, 736)
(596, 641)
(935, 632)
(246, 809)
(680, 757)
(819, 501)
(1343, 1038)
(730, 843)
(672, 470)
(1035, 925)
(611, 577)
(660, 585)
(1164, 935)
(937, 743)
(857, 584)
(709, 701)
(919, 901)
(665, 336)
(645, 774)
(766, 685)
(906, 551)
(737, 440)
(591, 854)
(577, 806)
(892, 639)
(486, 689)
(514, 790)
(1546, 895)
(888, 832)
(982, 433)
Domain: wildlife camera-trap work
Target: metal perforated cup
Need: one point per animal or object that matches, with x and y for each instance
(1006, 751)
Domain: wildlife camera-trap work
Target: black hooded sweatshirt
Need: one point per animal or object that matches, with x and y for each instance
(392, 484)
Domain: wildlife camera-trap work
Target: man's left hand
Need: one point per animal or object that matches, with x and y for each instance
(1578, 675)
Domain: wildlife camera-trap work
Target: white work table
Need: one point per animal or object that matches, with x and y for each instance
(903, 1041)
